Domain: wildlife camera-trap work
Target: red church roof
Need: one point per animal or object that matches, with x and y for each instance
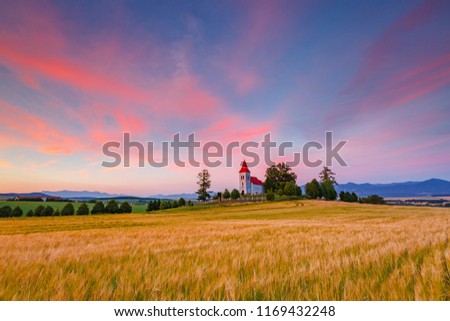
(244, 168)
(255, 181)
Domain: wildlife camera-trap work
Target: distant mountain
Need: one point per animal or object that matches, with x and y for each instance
(187, 196)
(431, 187)
(81, 194)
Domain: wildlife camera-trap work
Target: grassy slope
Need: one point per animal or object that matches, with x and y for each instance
(280, 251)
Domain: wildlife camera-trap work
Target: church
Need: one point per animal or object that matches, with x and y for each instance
(249, 184)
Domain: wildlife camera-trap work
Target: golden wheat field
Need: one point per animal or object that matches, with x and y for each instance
(309, 250)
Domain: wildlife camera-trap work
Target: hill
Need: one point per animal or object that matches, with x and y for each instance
(431, 187)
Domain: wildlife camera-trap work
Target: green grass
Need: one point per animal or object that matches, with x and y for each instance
(296, 250)
(26, 206)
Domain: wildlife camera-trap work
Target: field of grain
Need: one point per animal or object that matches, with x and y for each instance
(309, 250)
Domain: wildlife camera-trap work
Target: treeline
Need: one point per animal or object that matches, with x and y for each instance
(353, 198)
(325, 189)
(112, 207)
(156, 205)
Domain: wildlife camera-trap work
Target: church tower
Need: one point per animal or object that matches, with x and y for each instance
(244, 179)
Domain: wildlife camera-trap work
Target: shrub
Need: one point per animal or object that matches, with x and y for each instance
(68, 209)
(112, 207)
(83, 209)
(164, 205)
(17, 212)
(48, 211)
(99, 208)
(30, 213)
(235, 194)
(39, 211)
(6, 211)
(373, 199)
(270, 196)
(125, 207)
(226, 194)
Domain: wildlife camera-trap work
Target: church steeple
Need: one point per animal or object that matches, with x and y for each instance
(244, 179)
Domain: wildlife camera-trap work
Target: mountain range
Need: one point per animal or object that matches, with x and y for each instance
(431, 187)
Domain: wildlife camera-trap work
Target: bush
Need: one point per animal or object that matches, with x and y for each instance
(235, 194)
(83, 209)
(6, 211)
(17, 212)
(270, 196)
(190, 203)
(48, 211)
(164, 205)
(174, 204)
(182, 202)
(373, 199)
(68, 209)
(125, 207)
(226, 194)
(39, 211)
(99, 208)
(30, 213)
(57, 212)
(112, 207)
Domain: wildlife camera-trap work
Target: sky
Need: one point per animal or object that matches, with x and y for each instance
(77, 74)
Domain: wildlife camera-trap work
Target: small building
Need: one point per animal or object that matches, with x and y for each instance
(249, 184)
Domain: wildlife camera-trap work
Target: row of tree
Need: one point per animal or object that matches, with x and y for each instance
(325, 189)
(155, 205)
(112, 207)
(7, 211)
(349, 198)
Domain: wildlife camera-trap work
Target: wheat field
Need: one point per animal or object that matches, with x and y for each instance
(302, 250)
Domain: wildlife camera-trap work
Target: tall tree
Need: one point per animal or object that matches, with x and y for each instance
(326, 175)
(313, 189)
(278, 175)
(204, 183)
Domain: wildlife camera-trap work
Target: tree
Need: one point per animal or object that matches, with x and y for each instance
(57, 213)
(235, 194)
(174, 204)
(326, 175)
(298, 191)
(313, 190)
(278, 175)
(219, 196)
(6, 211)
(17, 212)
(125, 207)
(328, 191)
(373, 199)
(270, 196)
(99, 208)
(354, 197)
(30, 213)
(289, 189)
(164, 205)
(68, 209)
(112, 207)
(190, 203)
(83, 209)
(39, 211)
(48, 211)
(204, 183)
(226, 194)
(181, 202)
